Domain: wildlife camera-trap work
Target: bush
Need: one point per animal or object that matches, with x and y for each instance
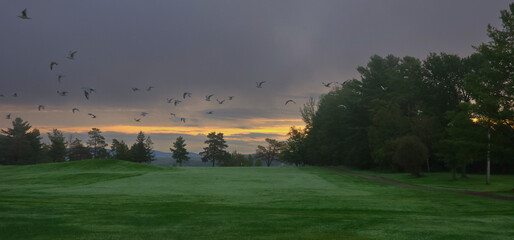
(410, 154)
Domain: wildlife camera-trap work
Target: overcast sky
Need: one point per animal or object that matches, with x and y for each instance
(208, 47)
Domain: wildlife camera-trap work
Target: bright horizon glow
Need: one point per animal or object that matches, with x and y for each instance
(280, 129)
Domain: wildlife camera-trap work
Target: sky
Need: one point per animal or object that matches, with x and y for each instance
(219, 47)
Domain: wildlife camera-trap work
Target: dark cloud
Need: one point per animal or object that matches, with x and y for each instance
(211, 47)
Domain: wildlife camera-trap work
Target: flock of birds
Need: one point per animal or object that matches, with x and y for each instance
(87, 91)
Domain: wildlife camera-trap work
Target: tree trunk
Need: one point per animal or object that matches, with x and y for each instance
(428, 164)
(463, 174)
(488, 155)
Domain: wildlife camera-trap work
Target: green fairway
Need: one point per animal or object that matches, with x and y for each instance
(110, 199)
(500, 184)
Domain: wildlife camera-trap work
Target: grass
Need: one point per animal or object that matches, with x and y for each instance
(110, 199)
(499, 184)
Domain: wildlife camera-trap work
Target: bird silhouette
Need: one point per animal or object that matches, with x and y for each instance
(88, 91)
(208, 97)
(137, 119)
(59, 77)
(75, 109)
(52, 64)
(327, 84)
(230, 98)
(144, 114)
(40, 107)
(183, 120)
(290, 100)
(177, 102)
(92, 115)
(86, 94)
(24, 14)
(149, 88)
(383, 88)
(220, 102)
(63, 93)
(8, 116)
(169, 100)
(259, 84)
(71, 55)
(186, 94)
(15, 94)
(135, 89)
(210, 112)
(173, 114)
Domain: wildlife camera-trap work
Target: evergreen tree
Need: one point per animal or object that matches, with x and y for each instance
(21, 145)
(141, 150)
(96, 144)
(179, 151)
(215, 151)
(57, 148)
(78, 151)
(120, 150)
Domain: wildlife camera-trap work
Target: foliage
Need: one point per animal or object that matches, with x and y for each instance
(57, 151)
(359, 123)
(19, 145)
(141, 150)
(96, 144)
(179, 151)
(120, 150)
(410, 153)
(215, 150)
(293, 150)
(78, 151)
(271, 152)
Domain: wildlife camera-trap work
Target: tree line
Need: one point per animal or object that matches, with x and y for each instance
(441, 112)
(20, 145)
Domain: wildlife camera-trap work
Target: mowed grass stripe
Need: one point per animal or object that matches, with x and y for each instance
(145, 202)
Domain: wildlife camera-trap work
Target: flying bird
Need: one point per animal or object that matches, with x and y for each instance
(8, 116)
(137, 119)
(52, 64)
(71, 55)
(173, 114)
(63, 93)
(86, 94)
(24, 14)
(183, 120)
(135, 89)
(75, 109)
(208, 97)
(230, 98)
(186, 94)
(259, 84)
(169, 100)
(220, 102)
(383, 88)
(149, 88)
(92, 115)
(15, 94)
(41, 107)
(209, 112)
(59, 77)
(290, 100)
(327, 84)
(343, 106)
(177, 102)
(144, 114)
